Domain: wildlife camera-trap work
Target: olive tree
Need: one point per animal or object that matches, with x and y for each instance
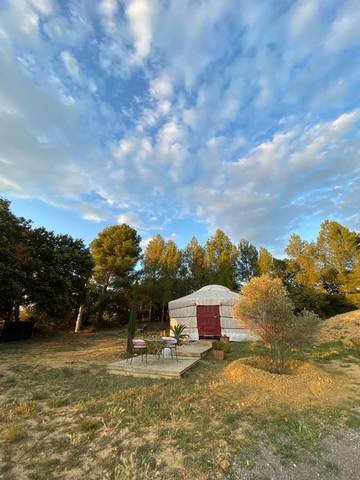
(266, 309)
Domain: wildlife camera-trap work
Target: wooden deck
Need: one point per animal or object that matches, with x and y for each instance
(196, 349)
(188, 356)
(154, 368)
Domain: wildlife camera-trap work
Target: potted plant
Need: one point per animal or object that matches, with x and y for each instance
(178, 332)
(219, 349)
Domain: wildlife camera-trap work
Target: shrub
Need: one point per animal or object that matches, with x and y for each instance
(224, 346)
(323, 304)
(266, 309)
(178, 332)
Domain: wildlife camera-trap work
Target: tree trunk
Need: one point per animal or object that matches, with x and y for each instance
(101, 308)
(106, 283)
(16, 312)
(78, 324)
(150, 308)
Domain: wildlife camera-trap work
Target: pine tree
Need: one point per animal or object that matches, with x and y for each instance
(247, 264)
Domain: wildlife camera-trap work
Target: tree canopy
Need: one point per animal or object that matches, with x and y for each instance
(39, 268)
(55, 274)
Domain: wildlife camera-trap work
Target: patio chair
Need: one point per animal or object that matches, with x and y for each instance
(138, 347)
(171, 344)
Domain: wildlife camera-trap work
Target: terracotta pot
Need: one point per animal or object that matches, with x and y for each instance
(218, 354)
(224, 339)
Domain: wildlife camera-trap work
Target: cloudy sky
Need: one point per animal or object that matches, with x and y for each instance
(180, 116)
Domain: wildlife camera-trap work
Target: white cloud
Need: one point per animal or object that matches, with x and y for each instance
(161, 87)
(50, 170)
(108, 7)
(344, 31)
(284, 181)
(140, 13)
(71, 65)
(235, 111)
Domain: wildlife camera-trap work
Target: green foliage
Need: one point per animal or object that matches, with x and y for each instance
(339, 256)
(116, 251)
(303, 263)
(223, 346)
(323, 304)
(221, 259)
(60, 269)
(265, 262)
(195, 265)
(247, 262)
(266, 309)
(14, 259)
(40, 268)
(178, 331)
(162, 272)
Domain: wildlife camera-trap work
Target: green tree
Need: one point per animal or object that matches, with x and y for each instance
(60, 269)
(338, 252)
(161, 266)
(14, 261)
(303, 262)
(171, 261)
(247, 264)
(221, 258)
(195, 265)
(115, 251)
(152, 274)
(39, 268)
(266, 262)
(266, 309)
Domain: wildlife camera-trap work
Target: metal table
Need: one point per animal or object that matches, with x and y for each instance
(156, 343)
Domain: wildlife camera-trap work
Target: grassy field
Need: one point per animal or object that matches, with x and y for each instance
(63, 416)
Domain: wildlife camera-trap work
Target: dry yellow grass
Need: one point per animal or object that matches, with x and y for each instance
(342, 327)
(306, 385)
(63, 416)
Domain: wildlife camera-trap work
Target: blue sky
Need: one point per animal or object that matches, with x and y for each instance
(181, 116)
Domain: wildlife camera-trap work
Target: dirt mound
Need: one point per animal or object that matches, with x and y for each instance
(341, 327)
(306, 385)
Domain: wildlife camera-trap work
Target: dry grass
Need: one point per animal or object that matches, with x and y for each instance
(306, 385)
(342, 328)
(63, 416)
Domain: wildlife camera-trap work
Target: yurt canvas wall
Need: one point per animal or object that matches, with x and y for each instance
(217, 298)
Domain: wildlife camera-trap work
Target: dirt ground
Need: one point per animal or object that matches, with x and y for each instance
(306, 385)
(62, 416)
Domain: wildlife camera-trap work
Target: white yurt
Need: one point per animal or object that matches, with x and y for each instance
(208, 312)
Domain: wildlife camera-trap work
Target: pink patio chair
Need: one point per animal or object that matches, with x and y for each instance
(171, 344)
(138, 347)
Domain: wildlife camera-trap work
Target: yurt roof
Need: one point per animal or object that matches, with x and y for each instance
(209, 295)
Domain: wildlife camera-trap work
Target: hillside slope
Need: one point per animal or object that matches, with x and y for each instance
(340, 327)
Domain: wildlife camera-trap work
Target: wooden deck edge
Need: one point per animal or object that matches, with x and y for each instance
(153, 374)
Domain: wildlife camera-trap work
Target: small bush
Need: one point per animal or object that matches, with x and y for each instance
(323, 304)
(266, 309)
(88, 424)
(224, 346)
